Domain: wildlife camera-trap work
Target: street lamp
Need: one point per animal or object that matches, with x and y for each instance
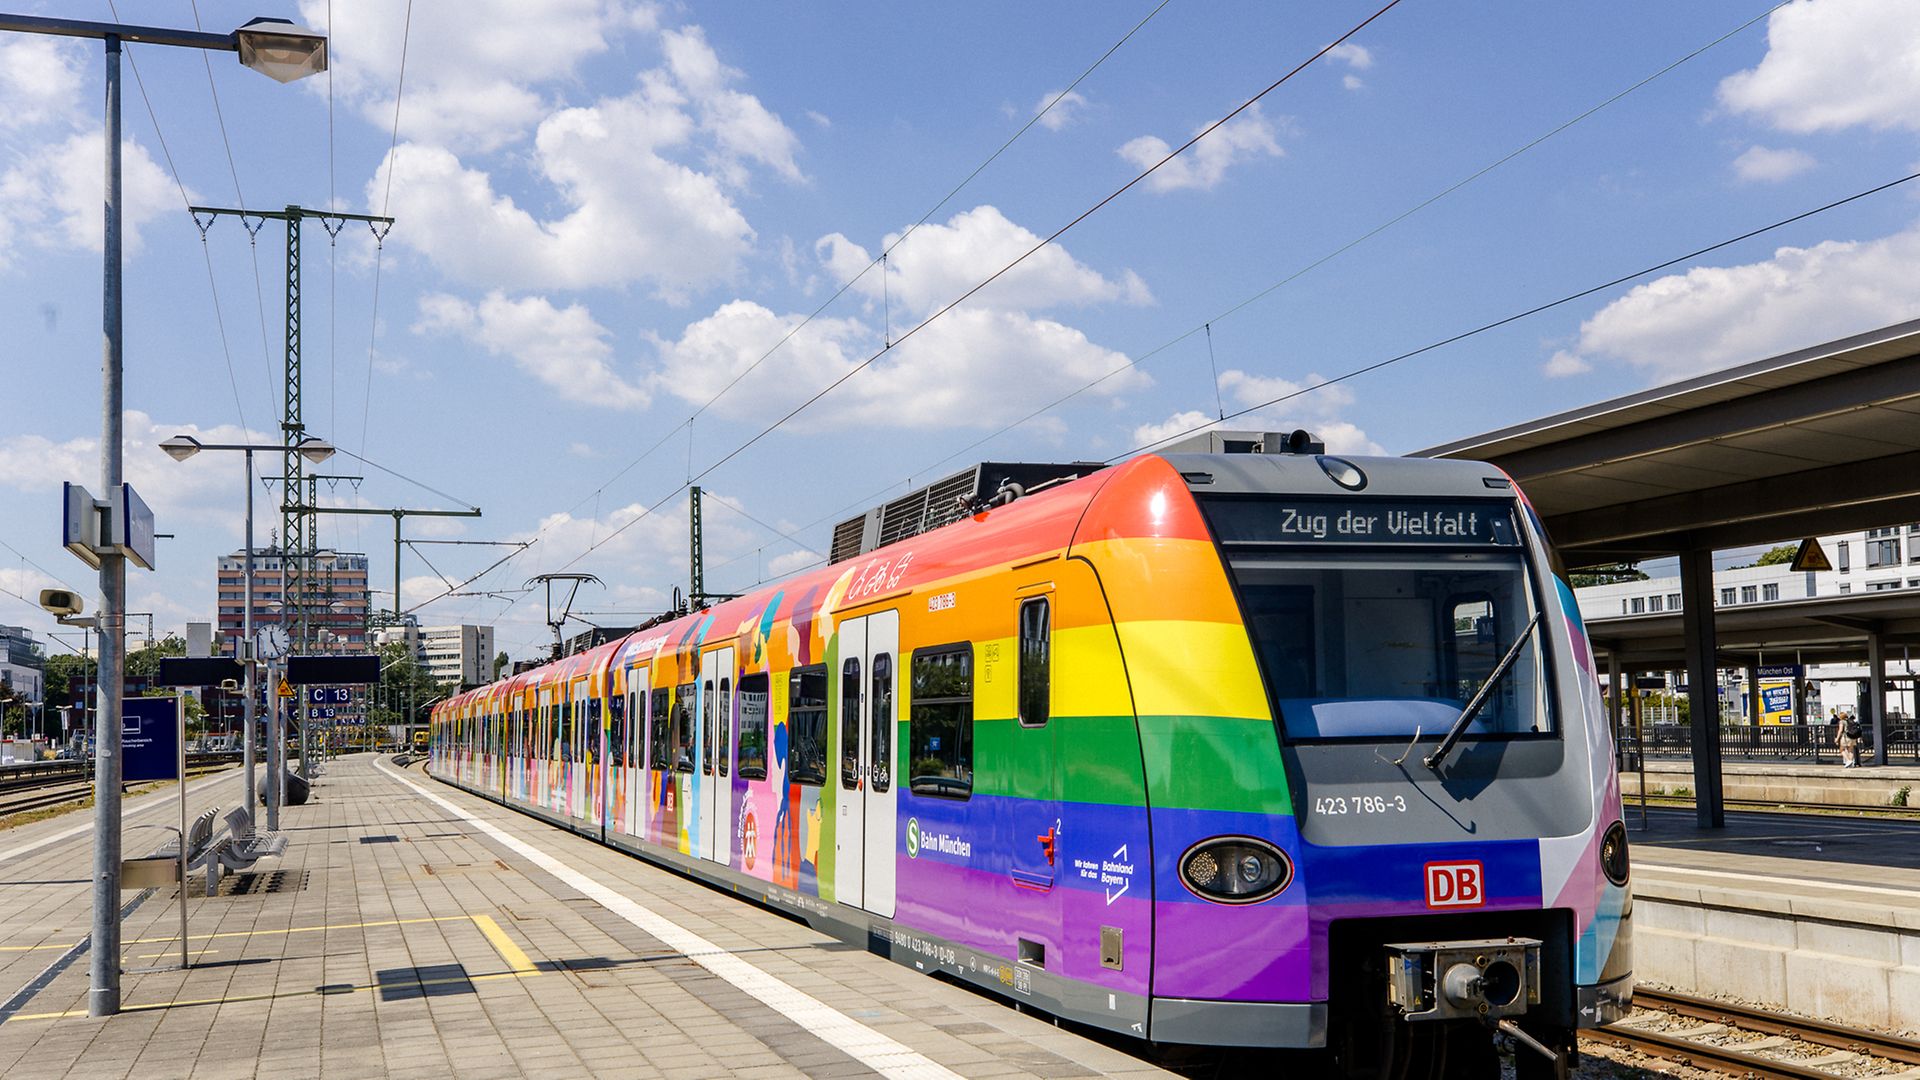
(180, 448)
(270, 49)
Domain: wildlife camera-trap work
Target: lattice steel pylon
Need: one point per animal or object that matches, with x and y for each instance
(299, 539)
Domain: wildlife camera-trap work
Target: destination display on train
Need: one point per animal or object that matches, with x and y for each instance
(1478, 523)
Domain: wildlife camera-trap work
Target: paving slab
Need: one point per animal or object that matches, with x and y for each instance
(413, 930)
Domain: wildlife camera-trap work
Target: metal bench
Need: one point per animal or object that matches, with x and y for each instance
(163, 866)
(239, 849)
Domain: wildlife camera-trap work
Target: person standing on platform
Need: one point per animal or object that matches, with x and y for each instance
(1847, 735)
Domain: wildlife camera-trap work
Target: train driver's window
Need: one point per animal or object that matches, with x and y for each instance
(1036, 671)
(657, 735)
(850, 723)
(683, 728)
(807, 717)
(753, 727)
(940, 727)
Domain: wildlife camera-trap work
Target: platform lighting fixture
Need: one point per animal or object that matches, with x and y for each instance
(281, 49)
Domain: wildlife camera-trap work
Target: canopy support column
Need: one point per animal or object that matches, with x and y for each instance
(1703, 686)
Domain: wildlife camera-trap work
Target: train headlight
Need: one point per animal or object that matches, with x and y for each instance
(1235, 870)
(1613, 853)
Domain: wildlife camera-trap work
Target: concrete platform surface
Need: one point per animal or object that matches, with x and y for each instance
(414, 931)
(1819, 915)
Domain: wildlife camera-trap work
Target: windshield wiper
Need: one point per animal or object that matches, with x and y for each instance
(1459, 728)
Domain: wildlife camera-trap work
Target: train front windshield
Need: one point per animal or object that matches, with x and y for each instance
(1389, 626)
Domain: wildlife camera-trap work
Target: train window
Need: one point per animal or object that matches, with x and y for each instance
(565, 712)
(1381, 645)
(753, 727)
(880, 748)
(1036, 670)
(683, 728)
(807, 716)
(940, 727)
(706, 727)
(590, 750)
(850, 723)
(726, 720)
(657, 733)
(617, 738)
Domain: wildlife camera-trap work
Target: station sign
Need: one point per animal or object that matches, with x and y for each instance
(150, 738)
(329, 695)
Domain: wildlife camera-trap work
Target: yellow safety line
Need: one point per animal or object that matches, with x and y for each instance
(516, 957)
(521, 965)
(255, 933)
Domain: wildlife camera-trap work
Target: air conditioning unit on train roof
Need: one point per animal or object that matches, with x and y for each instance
(1246, 442)
(947, 500)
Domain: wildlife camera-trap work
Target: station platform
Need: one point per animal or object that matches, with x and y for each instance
(1816, 914)
(1797, 784)
(414, 931)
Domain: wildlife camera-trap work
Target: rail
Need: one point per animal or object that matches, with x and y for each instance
(40, 784)
(1778, 1053)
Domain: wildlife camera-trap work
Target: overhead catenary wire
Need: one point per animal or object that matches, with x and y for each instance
(386, 204)
(877, 260)
(1534, 310)
(1203, 326)
(997, 274)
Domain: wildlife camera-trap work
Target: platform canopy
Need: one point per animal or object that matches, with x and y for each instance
(1820, 440)
(1822, 630)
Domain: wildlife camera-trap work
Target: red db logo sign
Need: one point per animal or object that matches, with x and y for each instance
(1455, 884)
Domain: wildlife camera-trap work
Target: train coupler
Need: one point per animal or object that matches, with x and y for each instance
(1474, 980)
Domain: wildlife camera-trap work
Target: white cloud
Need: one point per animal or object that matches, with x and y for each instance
(1247, 136)
(1834, 64)
(1564, 365)
(54, 197)
(1064, 112)
(941, 261)
(1760, 164)
(1357, 57)
(40, 81)
(1352, 82)
(1319, 411)
(175, 490)
(820, 119)
(1711, 317)
(478, 73)
(630, 210)
(986, 362)
(562, 347)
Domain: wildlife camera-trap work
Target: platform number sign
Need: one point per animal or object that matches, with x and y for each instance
(1456, 885)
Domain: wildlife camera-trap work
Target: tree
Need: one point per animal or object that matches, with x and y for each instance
(64, 673)
(144, 662)
(405, 684)
(1778, 556)
(499, 665)
(1605, 575)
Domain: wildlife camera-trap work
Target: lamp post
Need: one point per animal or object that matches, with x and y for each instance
(282, 51)
(180, 448)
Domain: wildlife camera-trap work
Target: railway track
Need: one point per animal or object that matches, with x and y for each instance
(1749, 1042)
(45, 784)
(1892, 813)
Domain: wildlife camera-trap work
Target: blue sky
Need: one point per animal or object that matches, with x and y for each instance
(608, 210)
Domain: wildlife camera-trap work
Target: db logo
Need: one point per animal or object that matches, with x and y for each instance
(1455, 884)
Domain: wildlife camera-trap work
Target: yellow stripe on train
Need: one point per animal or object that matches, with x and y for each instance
(1192, 669)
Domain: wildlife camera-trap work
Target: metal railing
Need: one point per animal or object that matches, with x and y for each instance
(1810, 744)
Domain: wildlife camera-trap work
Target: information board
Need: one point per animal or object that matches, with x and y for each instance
(1360, 520)
(150, 738)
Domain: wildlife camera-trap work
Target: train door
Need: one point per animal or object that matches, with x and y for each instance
(865, 715)
(578, 742)
(713, 779)
(1036, 769)
(546, 752)
(883, 726)
(636, 748)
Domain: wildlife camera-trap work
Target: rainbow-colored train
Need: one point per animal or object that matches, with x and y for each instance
(1271, 749)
